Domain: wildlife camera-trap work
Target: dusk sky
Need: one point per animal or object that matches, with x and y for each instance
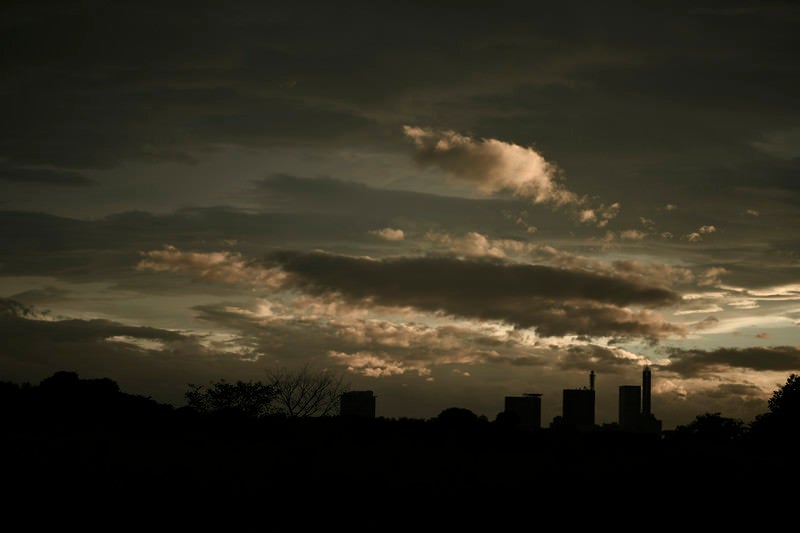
(447, 202)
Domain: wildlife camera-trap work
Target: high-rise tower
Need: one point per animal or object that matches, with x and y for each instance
(646, 391)
(578, 405)
(630, 407)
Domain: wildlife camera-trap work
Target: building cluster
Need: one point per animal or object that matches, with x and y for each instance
(578, 407)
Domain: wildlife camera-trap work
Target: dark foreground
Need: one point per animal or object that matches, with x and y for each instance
(224, 473)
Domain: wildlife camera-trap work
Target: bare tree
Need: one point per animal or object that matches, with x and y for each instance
(306, 392)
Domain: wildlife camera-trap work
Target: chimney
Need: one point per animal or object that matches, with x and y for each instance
(646, 391)
(591, 380)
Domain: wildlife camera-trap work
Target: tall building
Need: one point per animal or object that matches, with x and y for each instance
(358, 403)
(578, 406)
(527, 409)
(630, 406)
(634, 406)
(646, 391)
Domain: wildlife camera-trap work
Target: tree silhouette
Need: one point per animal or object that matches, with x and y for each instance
(306, 392)
(712, 427)
(783, 419)
(457, 417)
(252, 398)
(785, 402)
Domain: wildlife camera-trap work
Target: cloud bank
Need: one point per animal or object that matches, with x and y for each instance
(554, 301)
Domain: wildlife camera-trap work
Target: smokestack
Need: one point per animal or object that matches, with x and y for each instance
(591, 380)
(646, 391)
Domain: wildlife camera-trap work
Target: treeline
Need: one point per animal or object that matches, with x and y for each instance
(308, 399)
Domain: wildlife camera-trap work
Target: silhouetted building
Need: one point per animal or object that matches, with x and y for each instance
(359, 403)
(527, 410)
(646, 391)
(578, 406)
(631, 416)
(630, 406)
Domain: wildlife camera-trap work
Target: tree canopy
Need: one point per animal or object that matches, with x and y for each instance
(251, 398)
(292, 393)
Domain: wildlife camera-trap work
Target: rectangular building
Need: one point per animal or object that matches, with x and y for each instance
(359, 403)
(578, 408)
(630, 406)
(527, 410)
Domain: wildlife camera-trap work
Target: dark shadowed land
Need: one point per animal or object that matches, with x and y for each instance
(82, 453)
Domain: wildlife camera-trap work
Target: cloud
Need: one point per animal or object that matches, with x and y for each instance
(781, 144)
(388, 234)
(13, 308)
(493, 166)
(700, 309)
(225, 267)
(697, 236)
(474, 244)
(632, 235)
(374, 365)
(604, 359)
(555, 301)
(144, 360)
(706, 323)
(711, 276)
(42, 295)
(477, 244)
(41, 175)
(691, 363)
(376, 347)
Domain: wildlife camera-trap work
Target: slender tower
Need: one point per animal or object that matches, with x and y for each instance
(646, 391)
(591, 380)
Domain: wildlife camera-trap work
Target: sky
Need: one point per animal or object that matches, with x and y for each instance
(446, 202)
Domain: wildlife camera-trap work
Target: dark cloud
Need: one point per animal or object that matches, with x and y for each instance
(381, 207)
(255, 74)
(11, 309)
(17, 327)
(556, 301)
(27, 175)
(33, 348)
(602, 359)
(698, 363)
(107, 248)
(40, 296)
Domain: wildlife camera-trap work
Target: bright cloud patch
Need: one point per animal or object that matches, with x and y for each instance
(492, 166)
(374, 365)
(388, 234)
(476, 244)
(224, 267)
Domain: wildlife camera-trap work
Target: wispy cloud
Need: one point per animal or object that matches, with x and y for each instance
(225, 267)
